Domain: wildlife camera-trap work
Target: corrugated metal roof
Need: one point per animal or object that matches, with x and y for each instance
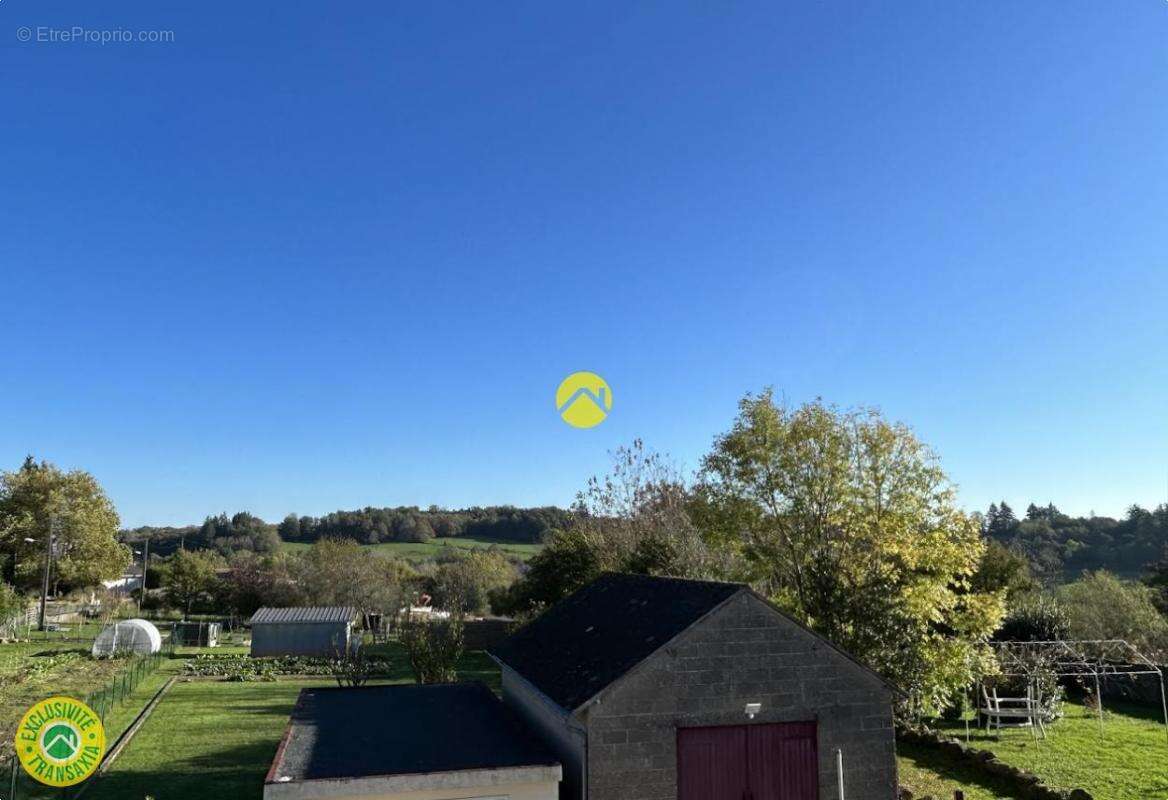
(305, 614)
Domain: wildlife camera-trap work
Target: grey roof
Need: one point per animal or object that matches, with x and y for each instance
(591, 638)
(409, 729)
(305, 614)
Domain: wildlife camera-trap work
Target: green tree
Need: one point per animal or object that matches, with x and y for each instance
(1157, 580)
(1001, 522)
(465, 584)
(39, 497)
(12, 603)
(190, 579)
(569, 560)
(1102, 606)
(289, 528)
(848, 522)
(1003, 570)
(242, 531)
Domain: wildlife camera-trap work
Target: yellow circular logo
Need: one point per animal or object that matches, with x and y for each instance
(584, 399)
(60, 741)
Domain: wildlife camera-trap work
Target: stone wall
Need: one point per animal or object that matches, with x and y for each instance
(743, 652)
(1025, 784)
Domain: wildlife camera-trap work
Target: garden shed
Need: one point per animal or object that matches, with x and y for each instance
(302, 631)
(409, 742)
(669, 689)
(195, 634)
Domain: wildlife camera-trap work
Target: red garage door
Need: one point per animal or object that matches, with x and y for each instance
(748, 762)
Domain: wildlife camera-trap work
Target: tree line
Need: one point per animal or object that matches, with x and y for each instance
(843, 519)
(1058, 546)
(245, 532)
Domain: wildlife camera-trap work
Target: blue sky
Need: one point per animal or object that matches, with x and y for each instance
(310, 257)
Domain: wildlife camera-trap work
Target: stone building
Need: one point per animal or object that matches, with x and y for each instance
(661, 688)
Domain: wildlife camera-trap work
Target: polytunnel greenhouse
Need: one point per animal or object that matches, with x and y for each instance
(128, 636)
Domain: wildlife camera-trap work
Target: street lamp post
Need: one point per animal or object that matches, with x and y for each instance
(48, 564)
(145, 558)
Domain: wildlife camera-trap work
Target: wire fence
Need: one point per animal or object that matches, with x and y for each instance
(16, 784)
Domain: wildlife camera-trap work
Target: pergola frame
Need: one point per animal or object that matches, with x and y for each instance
(1081, 658)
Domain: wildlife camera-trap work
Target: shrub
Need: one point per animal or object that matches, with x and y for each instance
(243, 668)
(1037, 618)
(434, 648)
(1101, 606)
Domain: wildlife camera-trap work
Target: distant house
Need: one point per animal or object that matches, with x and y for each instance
(409, 742)
(660, 688)
(307, 631)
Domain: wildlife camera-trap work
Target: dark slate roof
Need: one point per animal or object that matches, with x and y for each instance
(305, 614)
(372, 731)
(588, 640)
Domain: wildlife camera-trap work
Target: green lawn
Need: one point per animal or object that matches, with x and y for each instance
(217, 739)
(80, 675)
(930, 774)
(420, 551)
(1129, 761)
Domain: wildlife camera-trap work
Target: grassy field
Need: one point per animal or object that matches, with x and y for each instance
(1129, 761)
(217, 739)
(420, 551)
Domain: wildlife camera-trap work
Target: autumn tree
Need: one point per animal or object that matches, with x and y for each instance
(640, 510)
(40, 500)
(636, 518)
(340, 572)
(254, 581)
(848, 523)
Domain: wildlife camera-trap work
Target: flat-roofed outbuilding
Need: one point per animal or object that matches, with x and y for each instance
(409, 742)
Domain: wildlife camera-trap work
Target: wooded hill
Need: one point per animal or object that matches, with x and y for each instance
(1056, 545)
(1059, 546)
(245, 531)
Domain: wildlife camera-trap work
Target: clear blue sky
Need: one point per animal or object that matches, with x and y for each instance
(311, 256)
